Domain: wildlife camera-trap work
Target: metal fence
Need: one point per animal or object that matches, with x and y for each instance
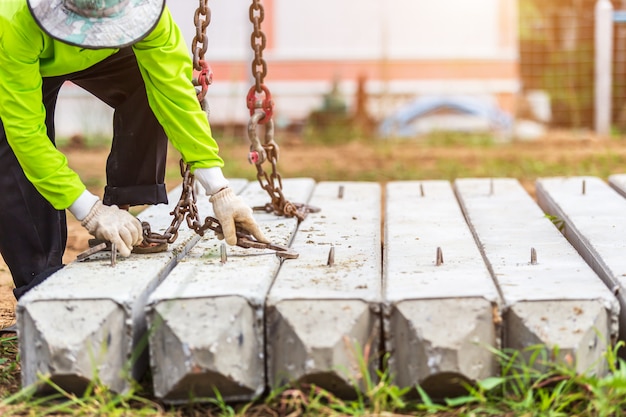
(557, 57)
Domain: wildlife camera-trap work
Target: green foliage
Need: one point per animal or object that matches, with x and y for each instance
(531, 383)
(9, 360)
(97, 400)
(452, 139)
(557, 221)
(333, 129)
(88, 141)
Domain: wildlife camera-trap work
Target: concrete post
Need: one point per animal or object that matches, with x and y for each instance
(206, 318)
(594, 221)
(551, 296)
(322, 314)
(440, 313)
(603, 66)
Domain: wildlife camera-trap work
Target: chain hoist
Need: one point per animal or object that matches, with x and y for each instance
(261, 106)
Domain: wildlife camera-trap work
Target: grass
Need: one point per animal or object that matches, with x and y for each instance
(440, 156)
(530, 384)
(9, 368)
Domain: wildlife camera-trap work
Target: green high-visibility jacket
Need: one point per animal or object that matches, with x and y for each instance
(27, 54)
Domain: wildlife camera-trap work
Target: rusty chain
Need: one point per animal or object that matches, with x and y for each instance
(199, 46)
(272, 184)
(186, 207)
(187, 211)
(258, 41)
(261, 106)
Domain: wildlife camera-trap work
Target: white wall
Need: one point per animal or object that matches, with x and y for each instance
(344, 29)
(395, 29)
(332, 31)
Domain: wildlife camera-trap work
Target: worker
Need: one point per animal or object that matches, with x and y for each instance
(131, 55)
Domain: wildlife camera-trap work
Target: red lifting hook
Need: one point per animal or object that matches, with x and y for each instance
(267, 104)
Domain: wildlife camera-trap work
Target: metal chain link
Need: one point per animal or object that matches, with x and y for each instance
(186, 207)
(199, 46)
(261, 106)
(273, 185)
(258, 41)
(187, 211)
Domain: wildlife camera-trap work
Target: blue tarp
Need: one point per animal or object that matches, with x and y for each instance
(400, 123)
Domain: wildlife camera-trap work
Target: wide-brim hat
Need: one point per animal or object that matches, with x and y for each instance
(100, 24)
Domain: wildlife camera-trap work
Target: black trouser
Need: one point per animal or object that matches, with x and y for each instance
(33, 234)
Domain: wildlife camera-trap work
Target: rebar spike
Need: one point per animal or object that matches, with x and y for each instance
(113, 254)
(340, 192)
(421, 190)
(584, 187)
(223, 253)
(439, 260)
(331, 257)
(533, 256)
(86, 254)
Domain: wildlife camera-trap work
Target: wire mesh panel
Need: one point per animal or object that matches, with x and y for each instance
(557, 58)
(619, 70)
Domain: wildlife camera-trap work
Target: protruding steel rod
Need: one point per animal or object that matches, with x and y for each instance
(584, 187)
(533, 256)
(340, 192)
(439, 260)
(421, 190)
(86, 254)
(113, 254)
(331, 257)
(223, 253)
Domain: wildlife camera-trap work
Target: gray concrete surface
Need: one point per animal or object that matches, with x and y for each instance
(441, 316)
(593, 218)
(553, 300)
(618, 183)
(87, 321)
(206, 318)
(253, 322)
(323, 311)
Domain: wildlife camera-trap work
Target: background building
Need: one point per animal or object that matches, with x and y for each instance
(399, 49)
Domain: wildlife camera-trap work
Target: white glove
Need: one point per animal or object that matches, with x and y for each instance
(230, 209)
(114, 225)
(212, 179)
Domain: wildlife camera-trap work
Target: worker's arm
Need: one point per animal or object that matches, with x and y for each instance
(23, 114)
(167, 71)
(23, 46)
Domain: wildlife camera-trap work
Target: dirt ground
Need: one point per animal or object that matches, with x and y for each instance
(574, 154)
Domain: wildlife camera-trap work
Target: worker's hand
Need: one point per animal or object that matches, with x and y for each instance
(114, 225)
(231, 211)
